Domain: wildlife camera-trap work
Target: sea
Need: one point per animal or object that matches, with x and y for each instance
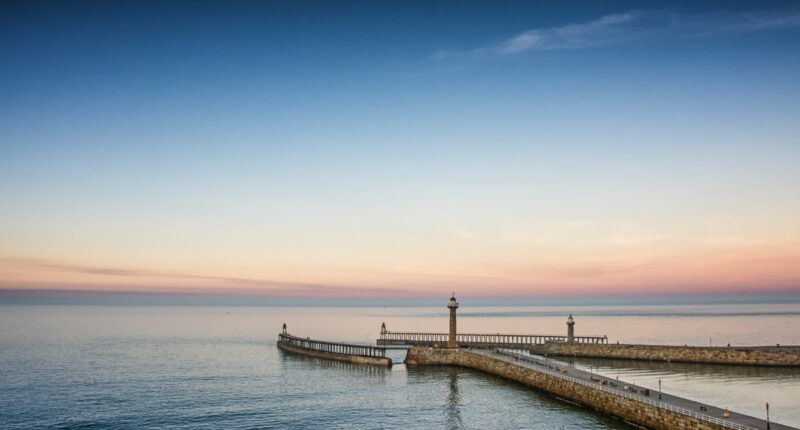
(197, 366)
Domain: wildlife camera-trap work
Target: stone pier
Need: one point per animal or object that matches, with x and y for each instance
(635, 405)
(745, 355)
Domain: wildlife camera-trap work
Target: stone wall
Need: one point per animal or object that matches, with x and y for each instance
(629, 410)
(377, 361)
(757, 356)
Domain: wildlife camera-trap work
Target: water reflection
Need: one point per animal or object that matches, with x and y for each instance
(288, 360)
(474, 399)
(453, 405)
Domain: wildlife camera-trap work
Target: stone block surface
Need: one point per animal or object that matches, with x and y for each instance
(755, 356)
(629, 410)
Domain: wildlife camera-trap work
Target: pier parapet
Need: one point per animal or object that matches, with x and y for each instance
(744, 355)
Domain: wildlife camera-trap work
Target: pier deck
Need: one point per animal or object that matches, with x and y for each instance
(363, 354)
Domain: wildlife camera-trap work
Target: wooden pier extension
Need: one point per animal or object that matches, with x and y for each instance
(361, 354)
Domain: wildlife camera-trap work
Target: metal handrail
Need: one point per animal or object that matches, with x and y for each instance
(527, 364)
(492, 334)
(471, 337)
(332, 347)
(531, 358)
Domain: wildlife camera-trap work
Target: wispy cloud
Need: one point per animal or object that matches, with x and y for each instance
(728, 22)
(601, 31)
(149, 280)
(627, 26)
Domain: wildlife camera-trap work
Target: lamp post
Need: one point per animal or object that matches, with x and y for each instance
(659, 389)
(767, 414)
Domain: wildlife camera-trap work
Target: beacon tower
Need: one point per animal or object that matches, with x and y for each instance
(452, 305)
(570, 329)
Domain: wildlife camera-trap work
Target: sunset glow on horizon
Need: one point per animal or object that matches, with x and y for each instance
(364, 152)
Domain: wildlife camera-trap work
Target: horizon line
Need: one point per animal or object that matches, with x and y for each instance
(21, 292)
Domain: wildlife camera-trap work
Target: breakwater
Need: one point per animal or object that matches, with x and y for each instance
(749, 355)
(632, 404)
(361, 354)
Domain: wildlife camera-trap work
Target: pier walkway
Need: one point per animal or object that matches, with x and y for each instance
(333, 347)
(364, 354)
(702, 411)
(481, 340)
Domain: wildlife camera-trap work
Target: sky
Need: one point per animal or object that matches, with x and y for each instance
(400, 149)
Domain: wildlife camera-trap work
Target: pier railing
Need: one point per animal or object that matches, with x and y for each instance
(332, 347)
(478, 339)
(542, 367)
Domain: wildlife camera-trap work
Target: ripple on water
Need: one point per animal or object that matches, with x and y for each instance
(161, 367)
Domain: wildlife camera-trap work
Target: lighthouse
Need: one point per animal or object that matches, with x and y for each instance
(570, 329)
(452, 305)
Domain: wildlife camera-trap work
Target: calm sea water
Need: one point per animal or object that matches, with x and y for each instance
(218, 367)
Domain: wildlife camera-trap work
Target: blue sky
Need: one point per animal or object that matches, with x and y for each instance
(529, 148)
